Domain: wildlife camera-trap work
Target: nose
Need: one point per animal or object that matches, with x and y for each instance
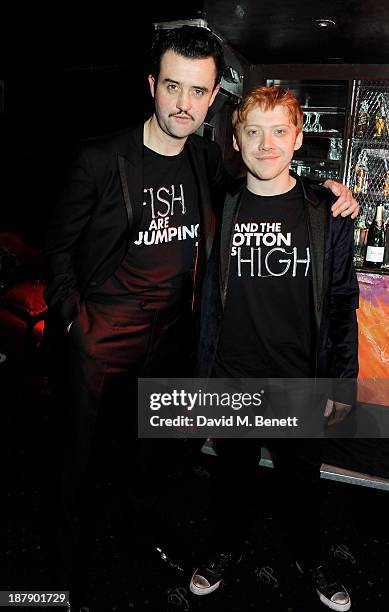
(266, 141)
(183, 102)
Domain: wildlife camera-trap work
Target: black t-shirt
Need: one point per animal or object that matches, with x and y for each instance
(161, 253)
(267, 324)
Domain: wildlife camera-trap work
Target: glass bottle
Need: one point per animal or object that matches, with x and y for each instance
(362, 120)
(360, 235)
(380, 121)
(385, 190)
(385, 263)
(361, 174)
(335, 149)
(375, 244)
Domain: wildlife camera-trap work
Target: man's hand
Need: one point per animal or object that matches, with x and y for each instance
(336, 411)
(345, 204)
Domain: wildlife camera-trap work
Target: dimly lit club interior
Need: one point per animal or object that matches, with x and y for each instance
(110, 278)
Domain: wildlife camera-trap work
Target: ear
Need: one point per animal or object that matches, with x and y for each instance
(299, 140)
(152, 84)
(214, 94)
(235, 143)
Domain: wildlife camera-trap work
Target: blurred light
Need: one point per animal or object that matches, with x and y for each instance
(324, 23)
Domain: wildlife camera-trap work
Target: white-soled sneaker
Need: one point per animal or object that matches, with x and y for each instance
(208, 577)
(330, 590)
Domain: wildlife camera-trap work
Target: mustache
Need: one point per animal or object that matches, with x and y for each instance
(181, 114)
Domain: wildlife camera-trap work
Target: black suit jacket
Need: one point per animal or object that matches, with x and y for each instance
(335, 288)
(91, 225)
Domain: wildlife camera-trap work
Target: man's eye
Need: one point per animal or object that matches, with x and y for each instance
(172, 87)
(279, 132)
(198, 92)
(252, 132)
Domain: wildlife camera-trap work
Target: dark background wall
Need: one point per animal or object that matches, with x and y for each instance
(74, 70)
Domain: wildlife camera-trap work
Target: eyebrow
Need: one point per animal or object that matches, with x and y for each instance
(167, 80)
(277, 125)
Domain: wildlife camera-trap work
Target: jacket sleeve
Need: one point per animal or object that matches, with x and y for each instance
(343, 302)
(218, 177)
(71, 214)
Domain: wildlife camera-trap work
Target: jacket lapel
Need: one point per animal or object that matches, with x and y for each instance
(130, 168)
(317, 215)
(207, 218)
(230, 212)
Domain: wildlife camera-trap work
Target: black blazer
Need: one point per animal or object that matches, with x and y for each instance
(335, 286)
(90, 228)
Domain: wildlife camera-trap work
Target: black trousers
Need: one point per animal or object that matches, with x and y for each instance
(237, 489)
(109, 347)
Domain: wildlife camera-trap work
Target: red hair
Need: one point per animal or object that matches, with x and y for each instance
(267, 98)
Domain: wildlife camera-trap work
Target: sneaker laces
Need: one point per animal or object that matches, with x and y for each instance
(326, 579)
(219, 564)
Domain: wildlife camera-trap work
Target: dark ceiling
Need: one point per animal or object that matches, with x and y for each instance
(73, 32)
(283, 31)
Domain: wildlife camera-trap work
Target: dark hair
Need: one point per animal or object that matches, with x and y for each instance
(189, 41)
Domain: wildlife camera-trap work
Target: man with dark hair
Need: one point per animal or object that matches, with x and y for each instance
(182, 42)
(125, 251)
(279, 302)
